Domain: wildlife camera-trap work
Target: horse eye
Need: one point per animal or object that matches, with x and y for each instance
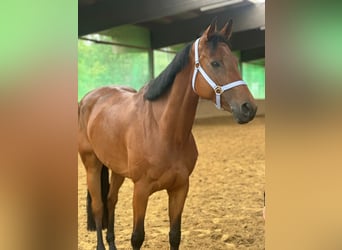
(215, 64)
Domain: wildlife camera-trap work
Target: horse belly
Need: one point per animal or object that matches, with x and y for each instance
(114, 158)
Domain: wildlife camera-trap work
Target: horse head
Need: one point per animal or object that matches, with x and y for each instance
(216, 75)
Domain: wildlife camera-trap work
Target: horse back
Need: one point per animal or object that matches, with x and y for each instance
(100, 97)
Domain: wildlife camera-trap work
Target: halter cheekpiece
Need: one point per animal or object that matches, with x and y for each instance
(217, 88)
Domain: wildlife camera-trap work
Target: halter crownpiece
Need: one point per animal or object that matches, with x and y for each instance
(217, 88)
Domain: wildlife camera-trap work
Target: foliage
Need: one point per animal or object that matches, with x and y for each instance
(100, 65)
(254, 75)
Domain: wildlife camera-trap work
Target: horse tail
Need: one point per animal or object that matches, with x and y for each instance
(91, 226)
(104, 192)
(78, 111)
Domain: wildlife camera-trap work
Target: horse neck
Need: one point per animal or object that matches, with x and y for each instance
(178, 114)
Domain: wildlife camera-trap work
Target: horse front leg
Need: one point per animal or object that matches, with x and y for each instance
(115, 184)
(140, 199)
(177, 198)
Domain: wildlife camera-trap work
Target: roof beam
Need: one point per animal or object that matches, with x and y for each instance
(249, 17)
(252, 54)
(109, 13)
(248, 39)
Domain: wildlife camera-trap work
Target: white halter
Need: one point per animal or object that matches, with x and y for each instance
(217, 89)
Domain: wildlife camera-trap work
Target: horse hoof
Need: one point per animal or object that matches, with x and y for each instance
(101, 247)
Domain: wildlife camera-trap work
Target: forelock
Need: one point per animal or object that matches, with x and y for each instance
(215, 39)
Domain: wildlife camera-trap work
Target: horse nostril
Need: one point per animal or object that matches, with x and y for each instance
(246, 108)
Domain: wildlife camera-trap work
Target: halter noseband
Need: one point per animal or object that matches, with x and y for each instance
(217, 89)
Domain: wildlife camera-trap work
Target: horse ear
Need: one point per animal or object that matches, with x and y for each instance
(227, 29)
(211, 29)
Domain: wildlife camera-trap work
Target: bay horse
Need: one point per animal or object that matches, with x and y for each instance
(146, 135)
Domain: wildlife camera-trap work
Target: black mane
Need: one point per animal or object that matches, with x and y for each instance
(163, 82)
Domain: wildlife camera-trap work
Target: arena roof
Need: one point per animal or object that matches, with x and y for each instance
(179, 21)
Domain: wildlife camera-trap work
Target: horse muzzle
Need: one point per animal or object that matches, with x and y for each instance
(244, 113)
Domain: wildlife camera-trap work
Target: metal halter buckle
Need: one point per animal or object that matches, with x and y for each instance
(218, 90)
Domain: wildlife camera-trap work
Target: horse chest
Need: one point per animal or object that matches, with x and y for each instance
(167, 177)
